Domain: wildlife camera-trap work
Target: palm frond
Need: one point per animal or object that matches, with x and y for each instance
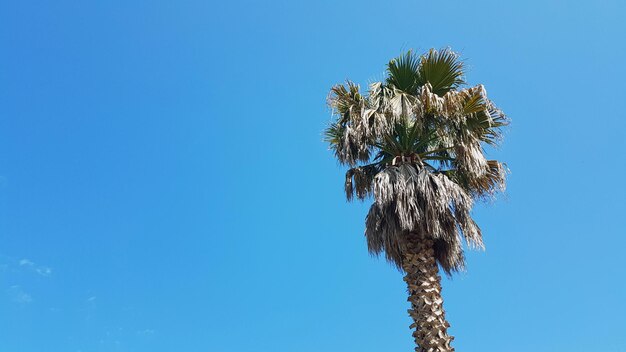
(359, 180)
(442, 69)
(403, 72)
(484, 186)
(408, 199)
(482, 118)
(333, 134)
(345, 100)
(348, 135)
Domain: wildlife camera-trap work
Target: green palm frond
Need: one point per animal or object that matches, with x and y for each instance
(403, 72)
(405, 138)
(345, 99)
(333, 134)
(442, 69)
(483, 120)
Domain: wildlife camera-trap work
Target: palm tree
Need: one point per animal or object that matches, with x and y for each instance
(415, 144)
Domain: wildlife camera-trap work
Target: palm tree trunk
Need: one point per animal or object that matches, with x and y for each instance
(424, 286)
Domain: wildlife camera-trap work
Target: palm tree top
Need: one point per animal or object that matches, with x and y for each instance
(441, 69)
(415, 142)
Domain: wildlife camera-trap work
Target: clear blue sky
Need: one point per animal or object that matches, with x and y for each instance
(164, 185)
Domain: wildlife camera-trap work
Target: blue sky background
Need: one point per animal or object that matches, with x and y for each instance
(164, 185)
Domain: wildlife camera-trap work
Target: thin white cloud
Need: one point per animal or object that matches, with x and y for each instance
(146, 332)
(39, 269)
(91, 299)
(26, 262)
(44, 271)
(18, 295)
(23, 297)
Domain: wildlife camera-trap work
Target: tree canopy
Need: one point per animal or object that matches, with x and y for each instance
(415, 142)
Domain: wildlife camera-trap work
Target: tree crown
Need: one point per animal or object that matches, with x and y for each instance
(415, 142)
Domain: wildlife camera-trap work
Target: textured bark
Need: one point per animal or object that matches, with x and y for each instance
(424, 286)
